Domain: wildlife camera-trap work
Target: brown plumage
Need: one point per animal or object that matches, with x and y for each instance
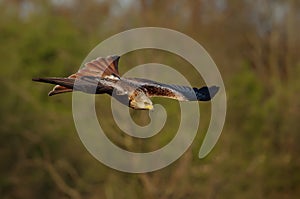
(101, 76)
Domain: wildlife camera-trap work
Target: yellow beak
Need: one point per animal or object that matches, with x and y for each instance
(149, 107)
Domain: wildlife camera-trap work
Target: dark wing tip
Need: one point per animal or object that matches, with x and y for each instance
(213, 90)
(205, 93)
(115, 57)
(36, 79)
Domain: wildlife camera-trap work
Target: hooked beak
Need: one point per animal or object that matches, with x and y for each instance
(149, 107)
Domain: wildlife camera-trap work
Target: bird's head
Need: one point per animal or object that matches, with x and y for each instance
(141, 103)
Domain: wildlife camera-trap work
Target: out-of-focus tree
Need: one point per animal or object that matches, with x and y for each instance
(254, 43)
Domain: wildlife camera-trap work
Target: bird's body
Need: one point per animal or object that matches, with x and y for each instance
(101, 76)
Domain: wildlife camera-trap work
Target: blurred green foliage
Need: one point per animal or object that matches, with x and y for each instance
(256, 47)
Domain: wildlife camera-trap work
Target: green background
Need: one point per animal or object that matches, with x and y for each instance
(256, 46)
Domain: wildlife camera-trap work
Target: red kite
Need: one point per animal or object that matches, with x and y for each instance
(101, 76)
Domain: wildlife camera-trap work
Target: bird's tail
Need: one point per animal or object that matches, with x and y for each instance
(63, 85)
(205, 93)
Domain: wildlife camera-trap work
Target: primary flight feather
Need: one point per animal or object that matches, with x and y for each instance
(101, 76)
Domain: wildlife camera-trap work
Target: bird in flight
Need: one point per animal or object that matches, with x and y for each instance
(101, 76)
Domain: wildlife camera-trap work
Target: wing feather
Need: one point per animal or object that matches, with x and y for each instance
(100, 67)
(178, 92)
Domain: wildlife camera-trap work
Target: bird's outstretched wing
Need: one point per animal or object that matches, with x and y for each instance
(103, 73)
(181, 93)
(100, 67)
